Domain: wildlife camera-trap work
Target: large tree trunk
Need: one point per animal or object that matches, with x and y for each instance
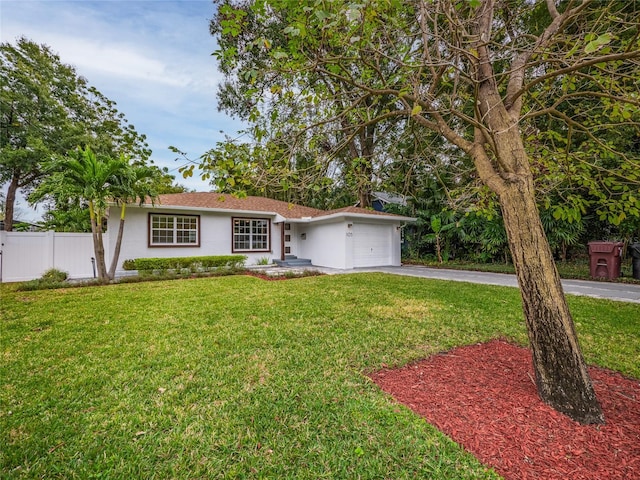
(502, 162)
(10, 201)
(560, 370)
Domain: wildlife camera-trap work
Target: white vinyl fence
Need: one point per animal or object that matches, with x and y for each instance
(27, 255)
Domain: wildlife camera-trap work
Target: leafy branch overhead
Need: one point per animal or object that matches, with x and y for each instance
(323, 74)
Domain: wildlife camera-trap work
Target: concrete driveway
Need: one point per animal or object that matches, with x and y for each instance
(621, 292)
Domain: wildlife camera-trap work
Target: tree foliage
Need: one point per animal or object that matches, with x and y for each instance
(259, 52)
(63, 214)
(316, 128)
(47, 110)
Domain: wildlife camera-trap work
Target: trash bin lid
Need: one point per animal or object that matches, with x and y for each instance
(634, 250)
(603, 247)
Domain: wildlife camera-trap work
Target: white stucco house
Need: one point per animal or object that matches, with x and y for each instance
(198, 224)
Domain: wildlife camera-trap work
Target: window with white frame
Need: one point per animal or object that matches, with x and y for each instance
(174, 230)
(251, 234)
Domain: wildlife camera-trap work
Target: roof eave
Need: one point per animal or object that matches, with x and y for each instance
(279, 217)
(386, 218)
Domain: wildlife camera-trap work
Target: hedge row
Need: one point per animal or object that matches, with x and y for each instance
(189, 264)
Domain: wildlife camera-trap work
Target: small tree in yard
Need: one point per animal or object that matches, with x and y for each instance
(96, 180)
(484, 75)
(136, 184)
(439, 229)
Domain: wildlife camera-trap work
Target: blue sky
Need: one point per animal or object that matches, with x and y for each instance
(152, 57)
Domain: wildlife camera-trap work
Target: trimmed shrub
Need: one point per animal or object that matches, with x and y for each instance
(185, 265)
(129, 264)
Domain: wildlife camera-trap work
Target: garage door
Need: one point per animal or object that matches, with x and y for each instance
(372, 245)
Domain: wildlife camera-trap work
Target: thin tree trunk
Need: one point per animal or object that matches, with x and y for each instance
(365, 170)
(364, 198)
(116, 252)
(98, 246)
(99, 250)
(10, 201)
(560, 370)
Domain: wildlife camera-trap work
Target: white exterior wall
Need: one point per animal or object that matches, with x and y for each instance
(396, 238)
(324, 244)
(27, 255)
(276, 245)
(334, 245)
(215, 236)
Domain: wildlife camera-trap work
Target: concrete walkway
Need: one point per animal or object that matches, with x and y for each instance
(621, 292)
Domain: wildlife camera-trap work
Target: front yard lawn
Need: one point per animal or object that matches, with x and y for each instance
(235, 377)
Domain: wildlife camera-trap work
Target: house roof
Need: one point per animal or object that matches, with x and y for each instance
(289, 211)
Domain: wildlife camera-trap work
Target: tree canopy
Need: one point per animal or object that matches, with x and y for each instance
(301, 70)
(48, 110)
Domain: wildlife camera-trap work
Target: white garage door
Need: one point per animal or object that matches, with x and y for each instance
(372, 245)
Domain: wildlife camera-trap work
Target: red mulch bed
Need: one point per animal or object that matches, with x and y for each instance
(484, 397)
(269, 278)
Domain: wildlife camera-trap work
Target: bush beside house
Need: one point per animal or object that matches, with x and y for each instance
(185, 264)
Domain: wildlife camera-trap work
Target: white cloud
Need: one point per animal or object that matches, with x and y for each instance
(121, 61)
(128, 43)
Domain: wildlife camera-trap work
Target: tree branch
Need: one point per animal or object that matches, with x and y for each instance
(513, 99)
(573, 68)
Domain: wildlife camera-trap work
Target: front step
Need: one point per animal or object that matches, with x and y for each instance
(293, 262)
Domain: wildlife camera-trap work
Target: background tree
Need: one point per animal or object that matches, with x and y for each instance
(47, 109)
(164, 181)
(345, 152)
(483, 74)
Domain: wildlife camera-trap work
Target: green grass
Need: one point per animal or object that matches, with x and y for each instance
(235, 377)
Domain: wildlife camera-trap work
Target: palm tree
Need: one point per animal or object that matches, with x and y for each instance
(96, 180)
(136, 185)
